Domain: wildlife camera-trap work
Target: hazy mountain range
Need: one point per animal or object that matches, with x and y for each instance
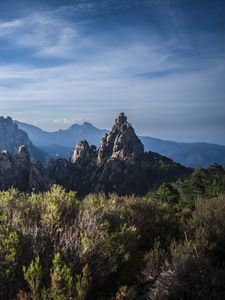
(62, 142)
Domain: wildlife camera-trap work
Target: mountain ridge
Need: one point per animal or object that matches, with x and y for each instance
(119, 165)
(43, 138)
(197, 154)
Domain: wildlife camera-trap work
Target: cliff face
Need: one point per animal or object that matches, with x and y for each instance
(11, 137)
(119, 165)
(18, 171)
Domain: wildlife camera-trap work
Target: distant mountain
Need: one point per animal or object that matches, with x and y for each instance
(66, 138)
(188, 154)
(62, 142)
(11, 138)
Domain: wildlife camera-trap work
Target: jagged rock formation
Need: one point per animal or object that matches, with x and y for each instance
(11, 137)
(77, 173)
(7, 177)
(120, 165)
(21, 166)
(121, 142)
(38, 178)
(83, 152)
(18, 171)
(61, 143)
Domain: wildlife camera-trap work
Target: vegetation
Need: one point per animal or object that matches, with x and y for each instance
(169, 244)
(202, 183)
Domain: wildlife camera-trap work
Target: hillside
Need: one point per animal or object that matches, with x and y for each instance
(62, 142)
(156, 247)
(189, 154)
(11, 137)
(120, 234)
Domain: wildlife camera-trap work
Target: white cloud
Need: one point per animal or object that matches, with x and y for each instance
(44, 34)
(51, 34)
(6, 28)
(102, 78)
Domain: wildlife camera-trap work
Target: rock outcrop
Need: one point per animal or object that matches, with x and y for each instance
(121, 142)
(38, 178)
(11, 137)
(7, 177)
(120, 165)
(18, 171)
(83, 152)
(21, 166)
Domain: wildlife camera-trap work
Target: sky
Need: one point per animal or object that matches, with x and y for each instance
(162, 62)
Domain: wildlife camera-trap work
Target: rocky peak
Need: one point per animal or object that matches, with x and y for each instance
(121, 142)
(23, 153)
(122, 166)
(21, 160)
(5, 161)
(88, 125)
(4, 152)
(82, 151)
(18, 171)
(120, 120)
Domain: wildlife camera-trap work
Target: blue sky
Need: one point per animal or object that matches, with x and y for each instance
(162, 62)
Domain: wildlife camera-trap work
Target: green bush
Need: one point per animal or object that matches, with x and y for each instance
(167, 245)
(9, 247)
(33, 277)
(62, 284)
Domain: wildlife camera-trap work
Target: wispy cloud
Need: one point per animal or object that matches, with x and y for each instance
(157, 73)
(88, 7)
(10, 26)
(42, 33)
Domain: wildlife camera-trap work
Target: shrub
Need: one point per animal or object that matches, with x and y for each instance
(33, 276)
(9, 247)
(62, 285)
(107, 247)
